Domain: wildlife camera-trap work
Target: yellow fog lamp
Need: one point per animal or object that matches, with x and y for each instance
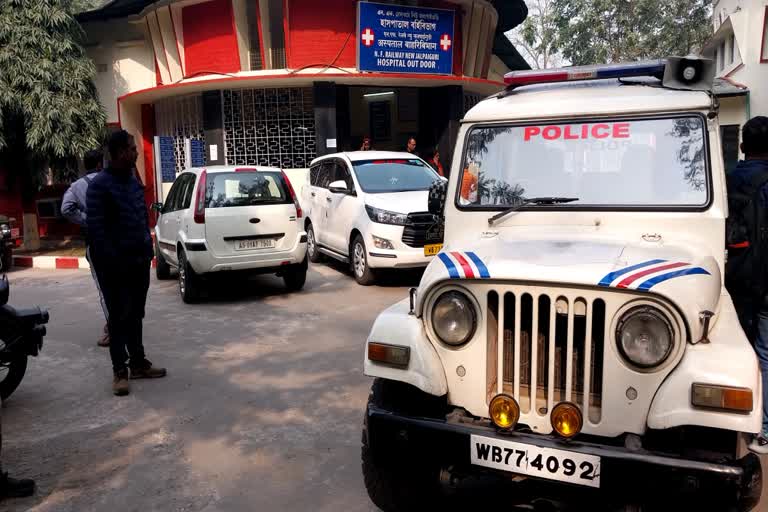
(504, 411)
(722, 397)
(393, 355)
(566, 419)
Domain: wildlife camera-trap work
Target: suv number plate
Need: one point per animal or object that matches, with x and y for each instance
(261, 243)
(524, 459)
(432, 249)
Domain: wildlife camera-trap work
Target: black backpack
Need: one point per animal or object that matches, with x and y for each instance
(747, 240)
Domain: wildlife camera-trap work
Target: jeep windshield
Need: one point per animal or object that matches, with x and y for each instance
(394, 175)
(653, 163)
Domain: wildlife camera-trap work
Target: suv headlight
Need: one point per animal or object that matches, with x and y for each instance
(645, 336)
(453, 318)
(386, 217)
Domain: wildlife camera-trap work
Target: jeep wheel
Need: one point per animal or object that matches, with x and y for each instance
(312, 252)
(398, 484)
(163, 269)
(363, 273)
(296, 276)
(189, 281)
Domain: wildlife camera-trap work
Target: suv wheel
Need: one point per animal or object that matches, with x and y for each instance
(189, 281)
(312, 252)
(163, 269)
(398, 483)
(363, 273)
(296, 276)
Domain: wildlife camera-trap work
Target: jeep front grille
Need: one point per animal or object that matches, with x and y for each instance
(564, 363)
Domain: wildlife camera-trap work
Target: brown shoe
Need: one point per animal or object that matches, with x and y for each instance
(120, 384)
(103, 341)
(145, 370)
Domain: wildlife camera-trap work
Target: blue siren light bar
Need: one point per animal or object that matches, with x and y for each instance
(649, 68)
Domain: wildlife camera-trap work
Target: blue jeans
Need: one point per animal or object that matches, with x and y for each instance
(759, 334)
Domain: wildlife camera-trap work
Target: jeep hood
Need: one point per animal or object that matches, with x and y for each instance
(688, 280)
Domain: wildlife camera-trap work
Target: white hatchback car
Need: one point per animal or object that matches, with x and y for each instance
(230, 219)
(369, 208)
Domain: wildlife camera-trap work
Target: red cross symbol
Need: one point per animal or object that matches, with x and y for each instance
(445, 42)
(368, 37)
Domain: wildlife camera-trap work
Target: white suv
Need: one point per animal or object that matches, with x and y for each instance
(369, 208)
(230, 219)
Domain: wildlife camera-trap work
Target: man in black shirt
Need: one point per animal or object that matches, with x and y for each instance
(121, 248)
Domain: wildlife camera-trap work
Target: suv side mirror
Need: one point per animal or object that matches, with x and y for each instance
(338, 187)
(158, 207)
(437, 195)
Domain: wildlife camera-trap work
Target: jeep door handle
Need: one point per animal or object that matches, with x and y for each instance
(328, 199)
(313, 194)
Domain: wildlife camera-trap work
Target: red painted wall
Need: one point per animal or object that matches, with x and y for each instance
(210, 40)
(147, 151)
(317, 32)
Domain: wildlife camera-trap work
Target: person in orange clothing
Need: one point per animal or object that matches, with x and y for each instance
(469, 181)
(435, 163)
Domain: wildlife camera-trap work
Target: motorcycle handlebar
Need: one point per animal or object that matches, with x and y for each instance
(30, 316)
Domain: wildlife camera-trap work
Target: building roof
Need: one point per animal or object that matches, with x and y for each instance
(725, 87)
(114, 9)
(585, 98)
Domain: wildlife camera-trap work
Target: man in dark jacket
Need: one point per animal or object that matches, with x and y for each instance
(748, 287)
(121, 248)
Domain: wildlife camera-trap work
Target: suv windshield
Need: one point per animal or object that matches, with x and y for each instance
(245, 188)
(381, 176)
(626, 163)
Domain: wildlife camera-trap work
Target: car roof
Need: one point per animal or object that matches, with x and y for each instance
(357, 156)
(231, 168)
(585, 98)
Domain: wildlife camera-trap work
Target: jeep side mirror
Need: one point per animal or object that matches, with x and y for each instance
(437, 194)
(158, 207)
(338, 187)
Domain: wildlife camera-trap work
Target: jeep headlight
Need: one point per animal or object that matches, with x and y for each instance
(645, 336)
(453, 318)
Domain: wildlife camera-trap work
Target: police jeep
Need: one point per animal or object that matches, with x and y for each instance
(574, 333)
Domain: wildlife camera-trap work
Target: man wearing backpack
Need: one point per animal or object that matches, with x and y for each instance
(746, 273)
(74, 209)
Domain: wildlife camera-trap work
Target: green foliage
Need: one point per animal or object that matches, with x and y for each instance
(49, 108)
(536, 37)
(600, 31)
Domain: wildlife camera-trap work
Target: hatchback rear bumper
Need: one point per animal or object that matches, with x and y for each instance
(204, 261)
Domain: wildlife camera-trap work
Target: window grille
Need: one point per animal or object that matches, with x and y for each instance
(271, 127)
(180, 118)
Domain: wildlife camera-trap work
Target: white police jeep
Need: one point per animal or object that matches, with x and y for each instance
(574, 333)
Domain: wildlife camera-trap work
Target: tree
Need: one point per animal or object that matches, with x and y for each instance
(536, 37)
(49, 108)
(600, 31)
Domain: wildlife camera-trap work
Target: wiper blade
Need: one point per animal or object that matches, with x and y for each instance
(528, 202)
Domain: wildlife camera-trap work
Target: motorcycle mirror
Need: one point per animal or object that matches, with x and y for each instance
(5, 290)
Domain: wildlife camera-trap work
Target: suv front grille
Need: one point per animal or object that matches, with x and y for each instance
(564, 363)
(420, 230)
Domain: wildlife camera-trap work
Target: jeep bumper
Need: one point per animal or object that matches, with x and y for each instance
(631, 476)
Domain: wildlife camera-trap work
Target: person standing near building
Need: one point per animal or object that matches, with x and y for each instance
(74, 209)
(411, 146)
(434, 161)
(746, 272)
(366, 146)
(121, 248)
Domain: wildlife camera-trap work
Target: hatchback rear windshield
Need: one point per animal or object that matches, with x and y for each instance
(248, 188)
(381, 176)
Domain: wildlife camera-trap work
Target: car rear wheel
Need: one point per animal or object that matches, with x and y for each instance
(163, 269)
(296, 276)
(363, 273)
(312, 252)
(189, 282)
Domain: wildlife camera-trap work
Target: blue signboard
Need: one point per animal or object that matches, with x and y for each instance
(403, 39)
(197, 152)
(167, 159)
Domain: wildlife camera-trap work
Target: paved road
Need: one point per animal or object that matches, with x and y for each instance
(261, 409)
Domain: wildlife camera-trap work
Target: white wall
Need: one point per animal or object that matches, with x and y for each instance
(753, 73)
(123, 59)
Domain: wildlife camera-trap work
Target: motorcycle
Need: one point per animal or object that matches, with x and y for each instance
(21, 335)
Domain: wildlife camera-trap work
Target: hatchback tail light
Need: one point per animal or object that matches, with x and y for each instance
(299, 213)
(200, 200)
